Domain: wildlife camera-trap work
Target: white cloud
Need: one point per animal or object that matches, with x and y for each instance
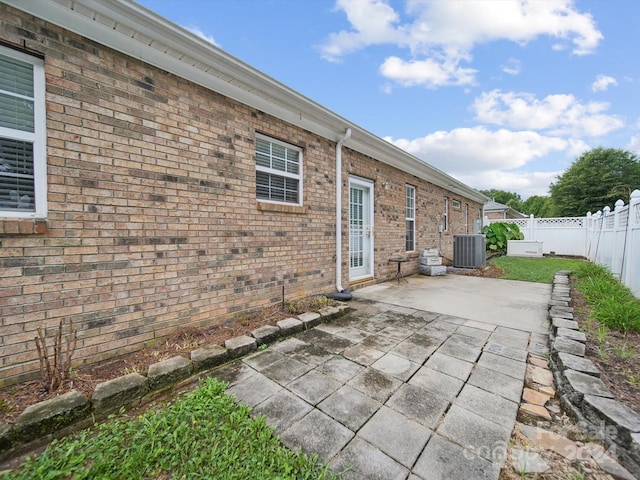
(426, 72)
(484, 158)
(441, 34)
(512, 67)
(197, 31)
(602, 83)
(558, 114)
(477, 149)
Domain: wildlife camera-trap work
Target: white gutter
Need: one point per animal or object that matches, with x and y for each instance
(339, 210)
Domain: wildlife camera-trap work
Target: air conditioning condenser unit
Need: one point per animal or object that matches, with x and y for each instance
(469, 251)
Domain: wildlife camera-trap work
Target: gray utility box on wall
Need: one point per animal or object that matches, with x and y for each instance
(469, 251)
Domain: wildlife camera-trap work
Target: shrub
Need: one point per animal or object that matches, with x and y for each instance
(499, 233)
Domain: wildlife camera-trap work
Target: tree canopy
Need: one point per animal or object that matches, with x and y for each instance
(597, 178)
(511, 199)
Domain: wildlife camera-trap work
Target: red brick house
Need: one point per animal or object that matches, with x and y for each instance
(149, 180)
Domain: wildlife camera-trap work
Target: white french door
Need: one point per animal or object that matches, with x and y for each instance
(360, 228)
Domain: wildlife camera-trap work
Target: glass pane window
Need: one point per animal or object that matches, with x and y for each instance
(22, 135)
(278, 167)
(17, 190)
(410, 213)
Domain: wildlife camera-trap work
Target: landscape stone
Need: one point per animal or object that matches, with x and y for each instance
(50, 415)
(564, 323)
(208, 357)
(547, 390)
(329, 313)
(290, 326)
(239, 346)
(530, 413)
(311, 319)
(571, 334)
(113, 394)
(265, 334)
(6, 434)
(528, 462)
(538, 361)
(612, 467)
(567, 361)
(551, 441)
(535, 397)
(612, 413)
(168, 372)
(561, 312)
(583, 384)
(539, 375)
(566, 345)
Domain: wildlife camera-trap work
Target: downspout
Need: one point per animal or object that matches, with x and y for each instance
(347, 135)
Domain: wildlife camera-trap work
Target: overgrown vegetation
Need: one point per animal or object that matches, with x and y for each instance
(540, 270)
(612, 304)
(55, 368)
(308, 304)
(202, 434)
(499, 233)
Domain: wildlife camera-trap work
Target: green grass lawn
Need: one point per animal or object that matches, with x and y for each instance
(611, 303)
(202, 434)
(539, 270)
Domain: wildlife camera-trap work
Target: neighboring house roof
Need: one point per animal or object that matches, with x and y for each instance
(508, 212)
(137, 31)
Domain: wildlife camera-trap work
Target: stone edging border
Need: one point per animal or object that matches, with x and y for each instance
(581, 392)
(67, 412)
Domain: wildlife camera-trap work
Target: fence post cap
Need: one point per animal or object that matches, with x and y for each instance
(606, 209)
(619, 204)
(635, 194)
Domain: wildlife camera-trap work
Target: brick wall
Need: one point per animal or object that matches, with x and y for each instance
(153, 222)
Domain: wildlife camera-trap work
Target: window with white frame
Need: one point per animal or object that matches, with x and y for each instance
(445, 218)
(410, 214)
(23, 175)
(278, 171)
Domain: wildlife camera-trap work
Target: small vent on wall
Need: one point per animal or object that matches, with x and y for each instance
(469, 251)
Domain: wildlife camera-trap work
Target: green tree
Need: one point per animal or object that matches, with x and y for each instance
(537, 205)
(510, 199)
(597, 178)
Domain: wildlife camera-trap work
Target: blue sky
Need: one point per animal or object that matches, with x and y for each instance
(500, 94)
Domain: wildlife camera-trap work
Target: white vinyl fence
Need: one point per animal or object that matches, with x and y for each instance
(608, 237)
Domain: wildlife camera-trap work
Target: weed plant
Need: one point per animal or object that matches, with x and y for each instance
(202, 434)
(612, 304)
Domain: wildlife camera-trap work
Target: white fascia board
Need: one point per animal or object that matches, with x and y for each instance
(140, 33)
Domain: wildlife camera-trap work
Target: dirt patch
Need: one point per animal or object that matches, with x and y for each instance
(16, 398)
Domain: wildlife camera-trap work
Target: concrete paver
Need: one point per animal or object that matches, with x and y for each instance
(422, 381)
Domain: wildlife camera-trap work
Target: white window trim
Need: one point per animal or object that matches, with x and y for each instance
(38, 138)
(445, 226)
(413, 219)
(298, 176)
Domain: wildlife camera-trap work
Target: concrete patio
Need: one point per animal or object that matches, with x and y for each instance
(421, 381)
